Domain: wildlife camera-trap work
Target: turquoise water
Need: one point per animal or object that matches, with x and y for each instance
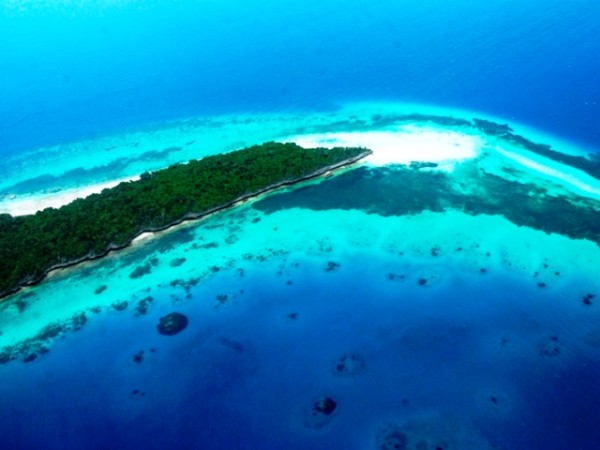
(74, 70)
(277, 301)
(426, 326)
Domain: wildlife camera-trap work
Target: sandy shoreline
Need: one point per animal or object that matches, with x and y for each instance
(30, 204)
(399, 145)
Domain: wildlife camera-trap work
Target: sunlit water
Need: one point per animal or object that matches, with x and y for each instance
(427, 330)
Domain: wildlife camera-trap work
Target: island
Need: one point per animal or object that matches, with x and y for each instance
(88, 228)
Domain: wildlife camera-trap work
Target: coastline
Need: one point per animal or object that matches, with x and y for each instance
(26, 205)
(324, 171)
(443, 145)
(125, 155)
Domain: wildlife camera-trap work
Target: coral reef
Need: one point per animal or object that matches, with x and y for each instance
(172, 324)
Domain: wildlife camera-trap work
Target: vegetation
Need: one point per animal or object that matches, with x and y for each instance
(87, 228)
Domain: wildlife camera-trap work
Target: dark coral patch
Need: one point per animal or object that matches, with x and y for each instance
(176, 262)
(120, 306)
(393, 440)
(325, 405)
(31, 357)
(587, 299)
(143, 305)
(349, 365)
(172, 324)
(138, 357)
(395, 276)
(222, 299)
(78, 321)
(332, 266)
(100, 289)
(21, 305)
(140, 271)
(550, 347)
(321, 413)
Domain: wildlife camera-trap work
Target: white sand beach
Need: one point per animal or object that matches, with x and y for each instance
(192, 138)
(398, 145)
(30, 204)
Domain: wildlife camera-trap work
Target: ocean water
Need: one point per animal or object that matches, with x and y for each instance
(71, 70)
(426, 322)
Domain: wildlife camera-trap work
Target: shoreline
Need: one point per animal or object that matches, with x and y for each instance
(188, 218)
(406, 143)
(441, 144)
(191, 136)
(30, 204)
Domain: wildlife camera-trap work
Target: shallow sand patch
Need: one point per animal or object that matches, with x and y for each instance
(569, 177)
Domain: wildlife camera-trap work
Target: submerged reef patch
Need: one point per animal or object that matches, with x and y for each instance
(32, 348)
(172, 324)
(320, 413)
(589, 165)
(430, 433)
(176, 262)
(120, 306)
(349, 366)
(392, 439)
(550, 347)
(100, 289)
(142, 306)
(140, 271)
(332, 266)
(468, 189)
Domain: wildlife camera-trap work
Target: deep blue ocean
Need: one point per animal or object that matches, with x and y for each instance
(70, 70)
(432, 331)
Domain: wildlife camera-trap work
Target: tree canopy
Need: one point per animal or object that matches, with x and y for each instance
(88, 228)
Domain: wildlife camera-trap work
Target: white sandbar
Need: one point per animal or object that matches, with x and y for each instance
(571, 178)
(401, 145)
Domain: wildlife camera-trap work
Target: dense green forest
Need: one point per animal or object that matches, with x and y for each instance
(90, 227)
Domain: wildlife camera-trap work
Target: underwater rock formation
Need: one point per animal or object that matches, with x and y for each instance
(172, 324)
(320, 413)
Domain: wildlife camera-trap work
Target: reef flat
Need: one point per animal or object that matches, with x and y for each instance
(469, 188)
(31, 246)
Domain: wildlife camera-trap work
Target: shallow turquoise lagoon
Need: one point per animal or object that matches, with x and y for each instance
(324, 316)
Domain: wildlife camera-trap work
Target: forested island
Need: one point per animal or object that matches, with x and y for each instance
(88, 228)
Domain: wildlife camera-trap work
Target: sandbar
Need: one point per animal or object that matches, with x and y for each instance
(401, 145)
